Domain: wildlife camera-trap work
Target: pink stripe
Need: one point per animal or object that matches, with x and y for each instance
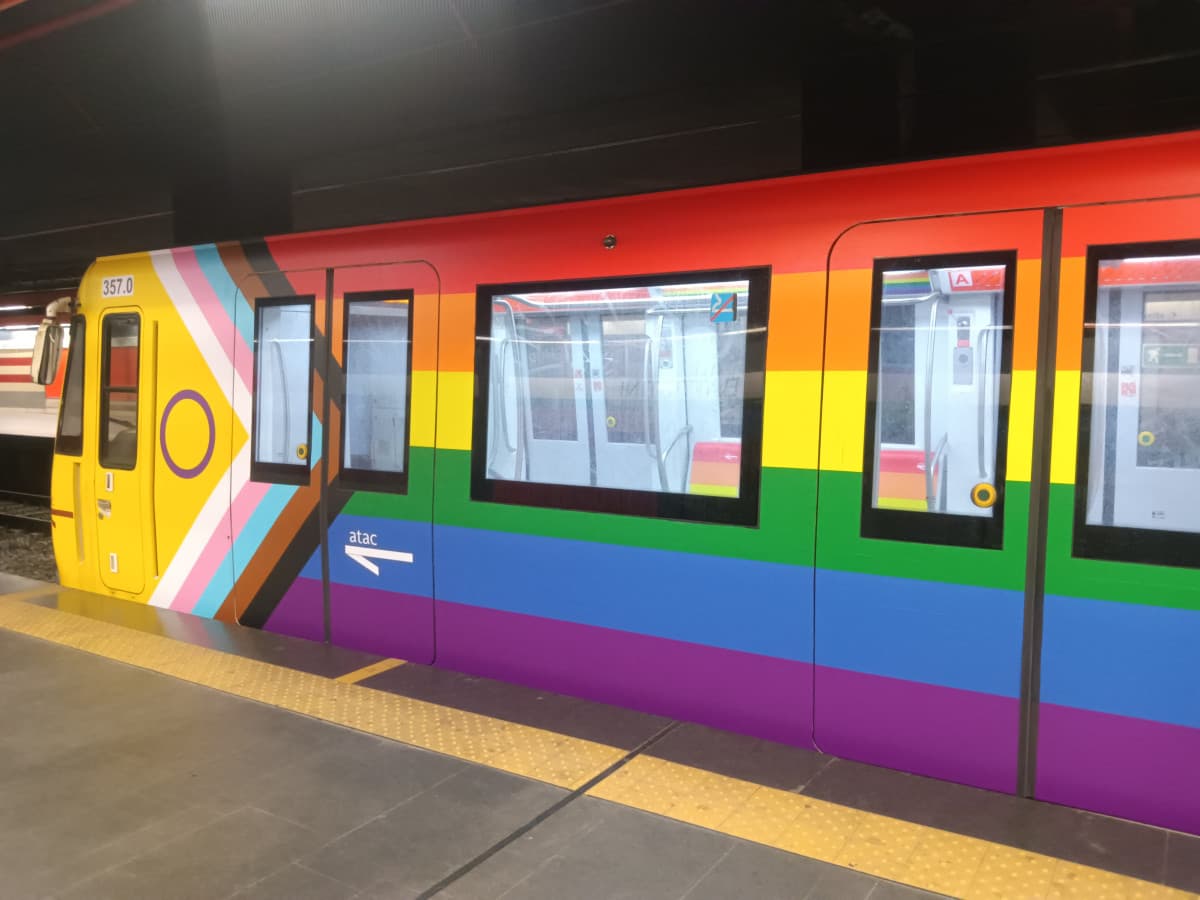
(210, 307)
(218, 547)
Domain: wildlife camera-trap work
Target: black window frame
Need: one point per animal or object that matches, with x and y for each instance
(919, 526)
(106, 388)
(272, 472)
(742, 510)
(348, 477)
(72, 444)
(1119, 543)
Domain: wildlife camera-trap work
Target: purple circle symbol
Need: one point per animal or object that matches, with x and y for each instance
(212, 434)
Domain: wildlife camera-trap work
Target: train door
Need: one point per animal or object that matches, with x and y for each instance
(119, 488)
(1118, 725)
(924, 494)
(379, 503)
(276, 492)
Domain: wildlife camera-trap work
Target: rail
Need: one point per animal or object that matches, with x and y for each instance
(29, 512)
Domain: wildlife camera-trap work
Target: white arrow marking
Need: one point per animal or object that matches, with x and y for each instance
(364, 555)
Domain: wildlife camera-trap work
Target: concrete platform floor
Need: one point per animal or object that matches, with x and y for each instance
(149, 753)
(123, 783)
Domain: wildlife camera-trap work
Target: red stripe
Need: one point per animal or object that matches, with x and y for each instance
(16, 379)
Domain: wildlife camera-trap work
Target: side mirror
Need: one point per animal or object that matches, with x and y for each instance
(47, 347)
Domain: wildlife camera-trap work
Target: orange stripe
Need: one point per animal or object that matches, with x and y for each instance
(901, 485)
(794, 329)
(425, 329)
(716, 473)
(456, 353)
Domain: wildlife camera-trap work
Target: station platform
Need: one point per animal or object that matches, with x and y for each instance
(154, 754)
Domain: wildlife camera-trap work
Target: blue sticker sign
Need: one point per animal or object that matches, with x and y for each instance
(723, 307)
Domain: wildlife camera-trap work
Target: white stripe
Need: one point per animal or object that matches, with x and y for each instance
(213, 515)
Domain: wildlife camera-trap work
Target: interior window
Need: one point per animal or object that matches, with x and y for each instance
(70, 412)
(377, 355)
(119, 391)
(282, 389)
(623, 385)
(1140, 455)
(937, 403)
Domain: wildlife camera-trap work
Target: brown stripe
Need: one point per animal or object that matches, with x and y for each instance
(65, 513)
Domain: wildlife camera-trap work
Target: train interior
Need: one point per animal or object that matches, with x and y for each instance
(939, 341)
(1145, 395)
(633, 388)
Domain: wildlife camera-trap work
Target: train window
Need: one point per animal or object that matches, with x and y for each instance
(378, 373)
(1139, 427)
(69, 441)
(120, 340)
(937, 399)
(282, 424)
(638, 395)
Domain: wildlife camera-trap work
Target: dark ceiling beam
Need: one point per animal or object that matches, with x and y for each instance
(42, 29)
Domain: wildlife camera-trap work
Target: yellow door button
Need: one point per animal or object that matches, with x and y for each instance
(302, 451)
(611, 421)
(983, 495)
(1146, 438)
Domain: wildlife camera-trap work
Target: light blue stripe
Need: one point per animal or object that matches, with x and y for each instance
(244, 545)
(1122, 658)
(756, 607)
(951, 635)
(227, 291)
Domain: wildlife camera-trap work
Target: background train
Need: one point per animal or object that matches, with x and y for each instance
(897, 463)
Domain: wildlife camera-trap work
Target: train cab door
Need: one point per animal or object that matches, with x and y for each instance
(924, 494)
(1118, 723)
(120, 471)
(378, 511)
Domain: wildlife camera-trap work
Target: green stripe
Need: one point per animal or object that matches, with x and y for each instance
(1119, 582)
(840, 544)
(785, 533)
(415, 506)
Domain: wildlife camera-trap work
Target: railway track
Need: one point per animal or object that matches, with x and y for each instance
(29, 512)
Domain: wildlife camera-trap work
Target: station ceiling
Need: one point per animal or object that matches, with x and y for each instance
(121, 119)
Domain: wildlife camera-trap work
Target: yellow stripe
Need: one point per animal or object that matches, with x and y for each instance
(902, 503)
(791, 407)
(384, 665)
(1066, 427)
(842, 422)
(713, 490)
(456, 391)
(923, 857)
(424, 400)
(532, 752)
(1020, 426)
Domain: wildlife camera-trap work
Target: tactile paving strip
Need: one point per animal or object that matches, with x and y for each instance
(922, 857)
(522, 750)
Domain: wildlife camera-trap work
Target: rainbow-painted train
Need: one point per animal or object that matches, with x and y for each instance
(900, 463)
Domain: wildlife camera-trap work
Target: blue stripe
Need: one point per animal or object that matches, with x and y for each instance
(951, 635)
(227, 292)
(755, 607)
(1122, 658)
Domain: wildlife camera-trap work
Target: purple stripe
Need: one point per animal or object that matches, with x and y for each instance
(1133, 768)
(301, 612)
(383, 622)
(964, 736)
(744, 692)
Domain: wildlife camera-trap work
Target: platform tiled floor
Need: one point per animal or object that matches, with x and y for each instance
(127, 782)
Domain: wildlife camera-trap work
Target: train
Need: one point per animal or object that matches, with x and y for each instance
(897, 463)
(27, 410)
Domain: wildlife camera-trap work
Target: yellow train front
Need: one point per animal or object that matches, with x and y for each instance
(900, 464)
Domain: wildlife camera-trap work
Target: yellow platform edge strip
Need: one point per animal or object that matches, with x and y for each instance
(916, 855)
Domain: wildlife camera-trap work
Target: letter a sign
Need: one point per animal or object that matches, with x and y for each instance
(960, 279)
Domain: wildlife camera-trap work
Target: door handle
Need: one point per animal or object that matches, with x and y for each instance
(104, 507)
